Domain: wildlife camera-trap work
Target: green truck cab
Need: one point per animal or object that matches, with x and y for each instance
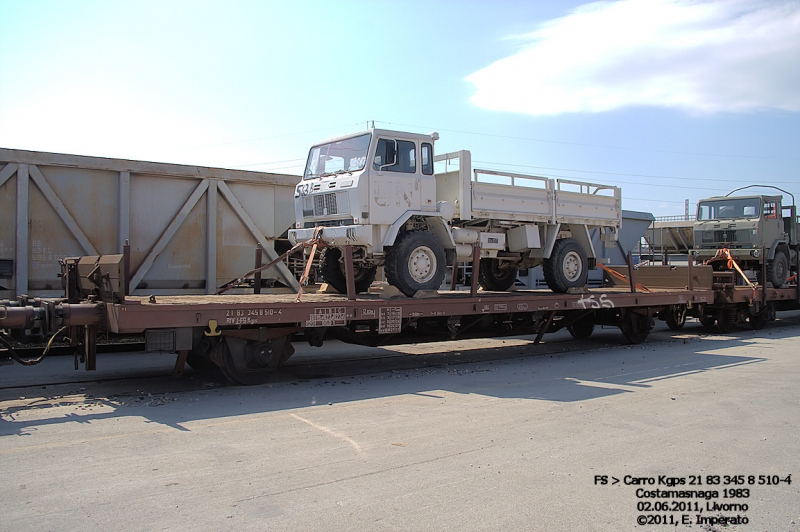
(756, 230)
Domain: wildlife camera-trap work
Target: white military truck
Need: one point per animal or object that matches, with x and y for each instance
(377, 191)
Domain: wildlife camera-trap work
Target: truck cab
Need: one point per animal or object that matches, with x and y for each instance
(366, 189)
(357, 186)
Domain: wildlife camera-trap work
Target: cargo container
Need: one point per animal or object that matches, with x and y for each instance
(190, 228)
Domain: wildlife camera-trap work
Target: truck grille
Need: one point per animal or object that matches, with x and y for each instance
(324, 204)
(726, 236)
(329, 223)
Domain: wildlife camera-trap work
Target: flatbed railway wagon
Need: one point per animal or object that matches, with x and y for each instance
(248, 336)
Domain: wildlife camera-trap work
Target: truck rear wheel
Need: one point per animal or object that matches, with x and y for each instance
(331, 267)
(415, 262)
(497, 275)
(566, 267)
(778, 269)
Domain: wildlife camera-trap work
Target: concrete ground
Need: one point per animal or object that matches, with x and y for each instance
(470, 435)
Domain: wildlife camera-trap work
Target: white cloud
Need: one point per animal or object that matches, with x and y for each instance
(700, 57)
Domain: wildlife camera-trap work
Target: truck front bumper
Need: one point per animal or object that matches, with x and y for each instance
(342, 235)
(738, 254)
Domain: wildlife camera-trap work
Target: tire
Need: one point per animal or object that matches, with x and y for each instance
(582, 328)
(567, 266)
(415, 262)
(676, 317)
(331, 267)
(496, 275)
(778, 269)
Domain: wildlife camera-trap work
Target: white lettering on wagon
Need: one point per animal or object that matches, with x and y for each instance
(249, 316)
(590, 302)
(327, 317)
(390, 320)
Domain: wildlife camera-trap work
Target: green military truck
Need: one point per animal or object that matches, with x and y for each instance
(756, 230)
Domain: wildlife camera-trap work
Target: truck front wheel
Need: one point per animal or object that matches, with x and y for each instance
(497, 275)
(415, 262)
(778, 269)
(567, 266)
(331, 266)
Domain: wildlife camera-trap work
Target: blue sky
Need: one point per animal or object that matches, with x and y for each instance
(671, 100)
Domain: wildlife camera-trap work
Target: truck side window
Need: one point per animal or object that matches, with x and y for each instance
(770, 210)
(405, 156)
(427, 158)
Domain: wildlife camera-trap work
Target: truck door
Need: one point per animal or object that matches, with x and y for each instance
(772, 228)
(396, 180)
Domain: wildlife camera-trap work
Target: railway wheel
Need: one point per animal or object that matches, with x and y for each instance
(497, 275)
(634, 326)
(778, 269)
(567, 266)
(582, 328)
(200, 363)
(676, 317)
(199, 358)
(727, 320)
(331, 267)
(249, 362)
(416, 262)
(757, 321)
(708, 320)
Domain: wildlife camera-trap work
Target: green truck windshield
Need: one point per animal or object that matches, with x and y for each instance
(729, 209)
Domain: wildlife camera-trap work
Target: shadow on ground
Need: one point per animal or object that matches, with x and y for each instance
(560, 370)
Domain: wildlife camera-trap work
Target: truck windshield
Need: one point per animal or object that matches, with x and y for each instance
(729, 209)
(340, 157)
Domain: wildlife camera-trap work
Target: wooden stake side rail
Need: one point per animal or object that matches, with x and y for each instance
(326, 310)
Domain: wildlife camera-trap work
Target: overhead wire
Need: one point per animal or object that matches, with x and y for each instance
(574, 170)
(674, 152)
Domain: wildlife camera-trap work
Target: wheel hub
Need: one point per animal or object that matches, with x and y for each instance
(422, 264)
(780, 270)
(572, 266)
